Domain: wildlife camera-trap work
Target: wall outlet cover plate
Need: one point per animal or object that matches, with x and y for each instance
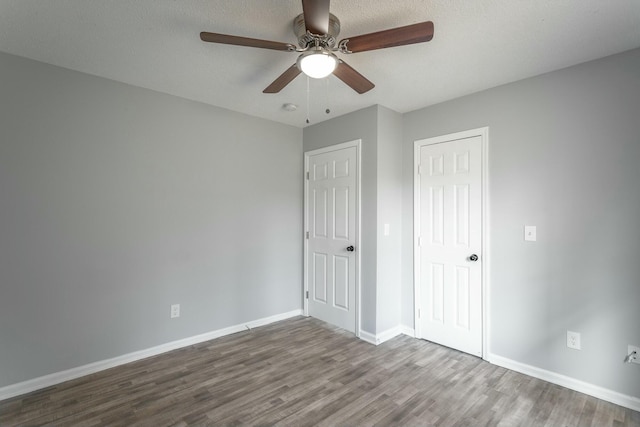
(573, 340)
(175, 310)
(530, 233)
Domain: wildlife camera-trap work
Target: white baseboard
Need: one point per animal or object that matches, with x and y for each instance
(368, 337)
(80, 371)
(568, 382)
(389, 334)
(408, 331)
(377, 339)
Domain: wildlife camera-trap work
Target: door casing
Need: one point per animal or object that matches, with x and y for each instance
(357, 144)
(483, 133)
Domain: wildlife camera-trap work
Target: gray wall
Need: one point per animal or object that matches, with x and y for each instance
(358, 125)
(380, 130)
(116, 202)
(564, 155)
(389, 202)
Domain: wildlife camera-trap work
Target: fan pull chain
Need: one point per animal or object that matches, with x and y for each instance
(308, 91)
(326, 95)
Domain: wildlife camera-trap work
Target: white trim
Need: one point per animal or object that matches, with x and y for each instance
(377, 339)
(80, 371)
(368, 337)
(305, 245)
(355, 143)
(388, 334)
(407, 331)
(568, 382)
(483, 133)
(358, 238)
(486, 237)
(416, 241)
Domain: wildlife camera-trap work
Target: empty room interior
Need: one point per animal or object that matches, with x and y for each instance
(441, 229)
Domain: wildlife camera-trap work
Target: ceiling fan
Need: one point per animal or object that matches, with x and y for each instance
(317, 30)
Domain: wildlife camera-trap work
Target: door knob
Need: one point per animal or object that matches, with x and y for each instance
(473, 257)
(350, 249)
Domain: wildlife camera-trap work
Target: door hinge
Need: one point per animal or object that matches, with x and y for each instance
(419, 241)
(307, 235)
(419, 314)
(307, 175)
(419, 169)
(307, 294)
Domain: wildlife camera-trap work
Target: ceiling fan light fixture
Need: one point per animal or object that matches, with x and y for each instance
(317, 63)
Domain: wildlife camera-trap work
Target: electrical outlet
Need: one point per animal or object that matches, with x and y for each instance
(634, 358)
(175, 310)
(530, 233)
(573, 340)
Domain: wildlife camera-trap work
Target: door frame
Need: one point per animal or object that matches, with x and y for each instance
(307, 154)
(483, 133)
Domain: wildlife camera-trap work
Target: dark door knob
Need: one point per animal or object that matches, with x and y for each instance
(473, 257)
(350, 248)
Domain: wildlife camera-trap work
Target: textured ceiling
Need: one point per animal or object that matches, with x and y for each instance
(155, 44)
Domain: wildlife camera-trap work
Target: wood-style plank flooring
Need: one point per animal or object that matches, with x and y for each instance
(304, 372)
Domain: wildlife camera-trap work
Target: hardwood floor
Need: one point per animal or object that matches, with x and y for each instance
(304, 372)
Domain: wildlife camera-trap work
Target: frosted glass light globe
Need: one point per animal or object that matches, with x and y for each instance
(317, 64)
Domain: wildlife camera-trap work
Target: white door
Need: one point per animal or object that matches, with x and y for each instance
(448, 253)
(331, 217)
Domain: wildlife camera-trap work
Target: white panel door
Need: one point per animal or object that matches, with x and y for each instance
(331, 219)
(450, 242)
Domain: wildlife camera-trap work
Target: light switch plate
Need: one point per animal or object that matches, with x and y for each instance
(530, 233)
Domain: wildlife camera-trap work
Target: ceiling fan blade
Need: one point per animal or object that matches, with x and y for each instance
(283, 80)
(316, 16)
(400, 36)
(352, 78)
(245, 41)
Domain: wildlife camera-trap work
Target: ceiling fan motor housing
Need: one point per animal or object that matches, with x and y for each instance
(306, 39)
